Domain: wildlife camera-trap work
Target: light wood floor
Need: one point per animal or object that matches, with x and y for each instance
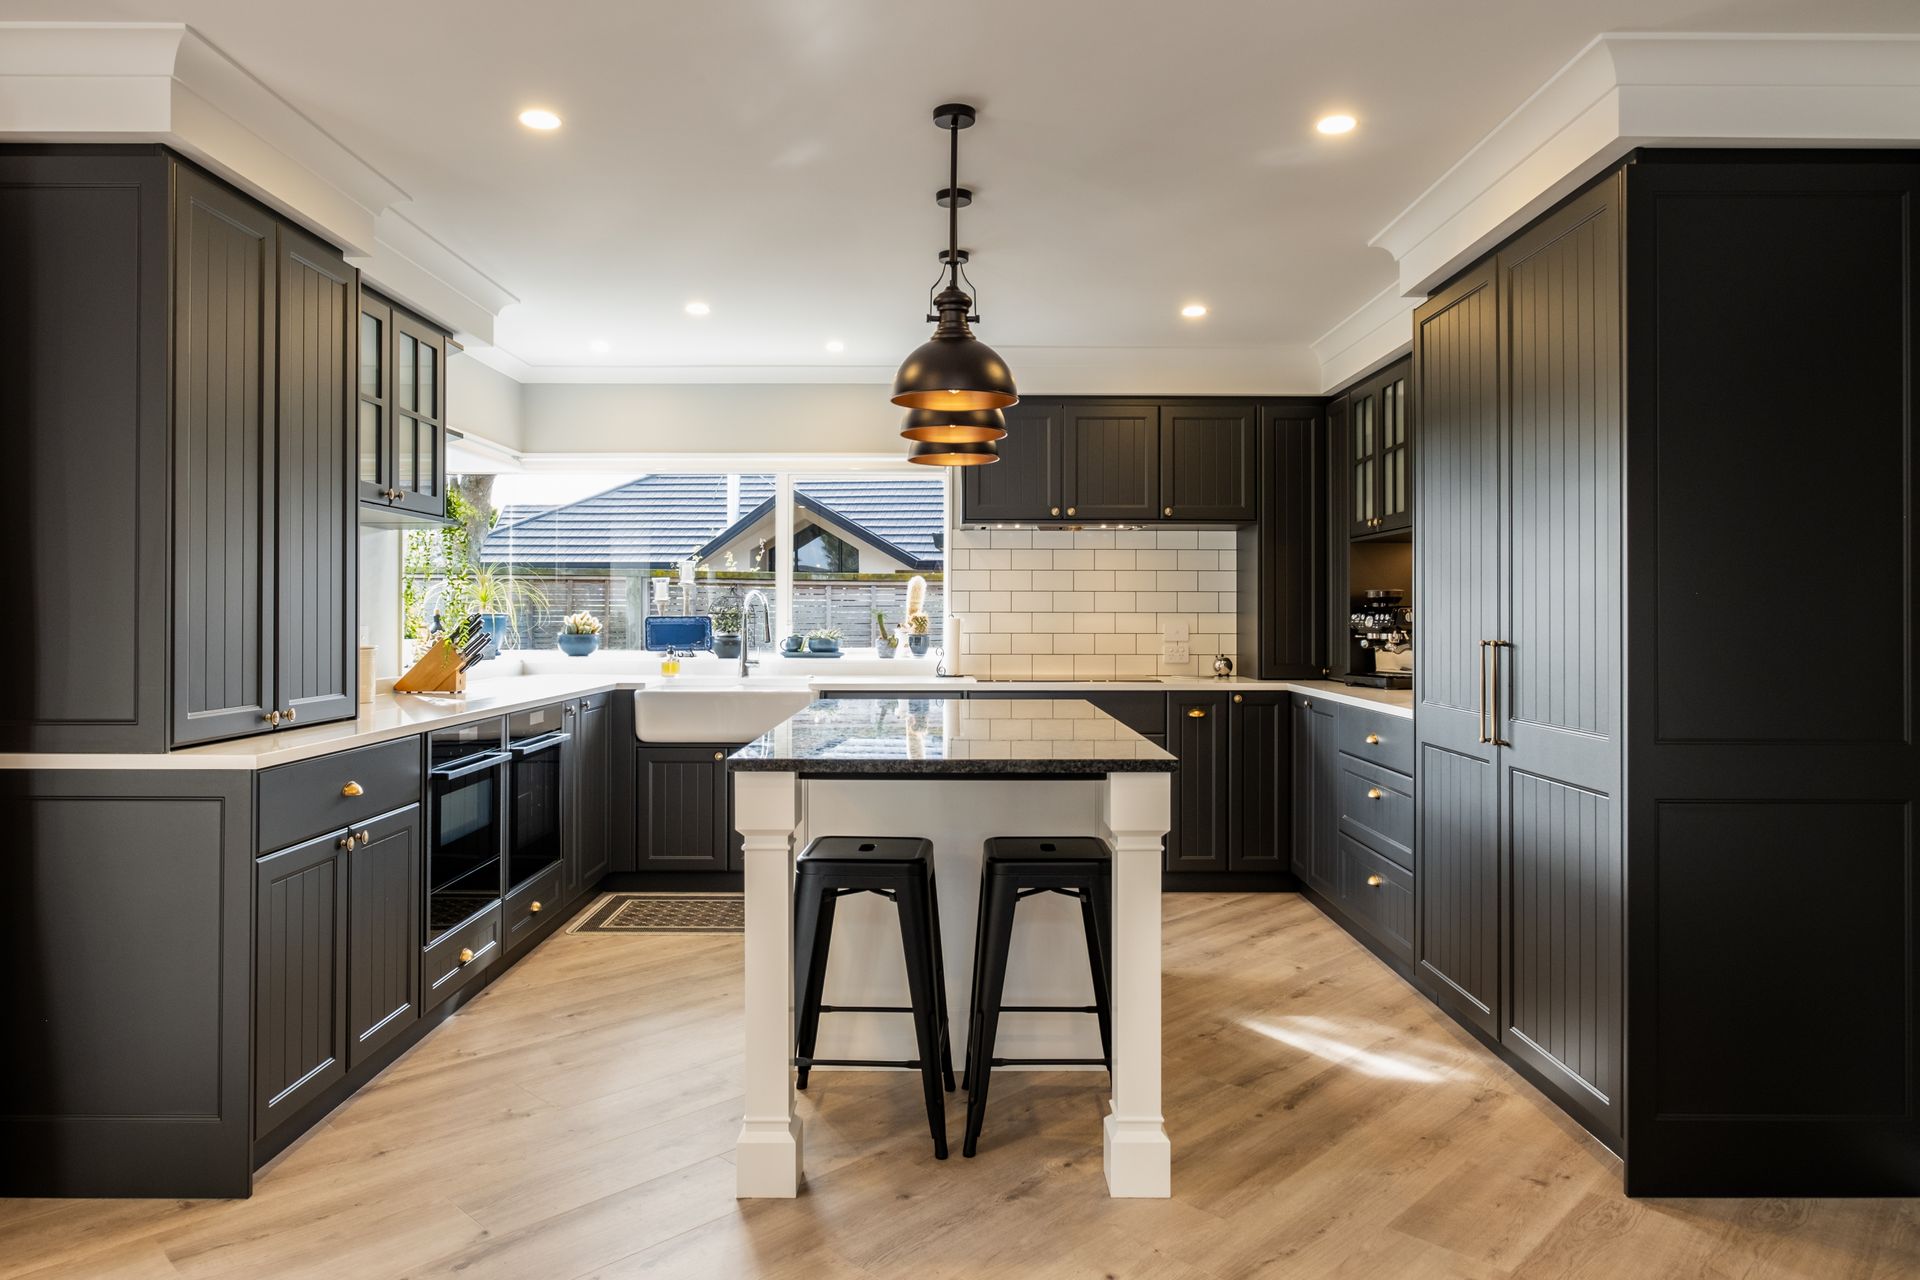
(578, 1120)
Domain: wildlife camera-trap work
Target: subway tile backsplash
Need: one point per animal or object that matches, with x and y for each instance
(1046, 604)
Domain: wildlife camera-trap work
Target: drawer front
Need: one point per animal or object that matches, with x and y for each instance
(529, 906)
(1376, 736)
(1376, 808)
(1378, 896)
(300, 801)
(443, 972)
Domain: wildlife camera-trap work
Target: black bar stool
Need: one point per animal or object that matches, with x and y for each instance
(1018, 867)
(900, 869)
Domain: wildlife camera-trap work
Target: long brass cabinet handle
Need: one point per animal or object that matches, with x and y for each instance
(1482, 726)
(1493, 720)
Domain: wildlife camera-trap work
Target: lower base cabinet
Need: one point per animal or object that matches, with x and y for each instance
(684, 809)
(383, 933)
(1353, 841)
(300, 976)
(587, 769)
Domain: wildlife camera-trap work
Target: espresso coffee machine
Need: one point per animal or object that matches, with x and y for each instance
(1380, 649)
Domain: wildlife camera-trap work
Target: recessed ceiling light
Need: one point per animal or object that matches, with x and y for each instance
(600, 346)
(836, 346)
(1335, 124)
(1193, 311)
(539, 118)
(699, 309)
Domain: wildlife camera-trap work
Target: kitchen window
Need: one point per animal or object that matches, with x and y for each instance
(525, 549)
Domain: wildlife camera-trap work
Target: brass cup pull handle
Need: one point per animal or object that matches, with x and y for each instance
(353, 789)
(1374, 882)
(1373, 739)
(466, 955)
(1196, 713)
(533, 907)
(1374, 793)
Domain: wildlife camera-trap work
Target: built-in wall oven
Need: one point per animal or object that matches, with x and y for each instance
(534, 740)
(467, 768)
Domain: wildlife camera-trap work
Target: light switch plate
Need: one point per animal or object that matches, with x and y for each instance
(1175, 632)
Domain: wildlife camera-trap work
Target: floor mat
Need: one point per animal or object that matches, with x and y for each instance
(665, 913)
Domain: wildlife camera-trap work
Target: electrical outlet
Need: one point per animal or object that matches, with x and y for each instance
(1175, 650)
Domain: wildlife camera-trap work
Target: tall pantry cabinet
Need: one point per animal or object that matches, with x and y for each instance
(1669, 878)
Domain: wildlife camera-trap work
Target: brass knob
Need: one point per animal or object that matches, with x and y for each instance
(353, 789)
(366, 838)
(1166, 511)
(466, 955)
(718, 755)
(533, 908)
(1053, 511)
(287, 715)
(1374, 882)
(1196, 713)
(345, 841)
(1069, 510)
(1373, 739)
(1374, 793)
(1239, 697)
(272, 718)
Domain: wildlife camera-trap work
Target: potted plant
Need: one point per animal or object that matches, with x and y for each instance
(919, 628)
(726, 630)
(498, 597)
(579, 634)
(824, 640)
(884, 641)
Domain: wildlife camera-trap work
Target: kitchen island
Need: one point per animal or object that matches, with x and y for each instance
(955, 772)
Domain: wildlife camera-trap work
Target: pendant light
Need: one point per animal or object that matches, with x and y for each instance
(932, 454)
(975, 426)
(954, 372)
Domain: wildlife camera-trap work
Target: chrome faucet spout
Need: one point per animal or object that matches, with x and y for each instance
(746, 627)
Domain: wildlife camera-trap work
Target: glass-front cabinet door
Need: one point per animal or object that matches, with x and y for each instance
(376, 402)
(1379, 458)
(1363, 459)
(1396, 471)
(403, 373)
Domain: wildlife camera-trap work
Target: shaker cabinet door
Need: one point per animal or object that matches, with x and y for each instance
(1024, 486)
(1209, 462)
(299, 977)
(1197, 736)
(1111, 461)
(383, 932)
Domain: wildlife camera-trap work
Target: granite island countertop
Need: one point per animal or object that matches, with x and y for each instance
(949, 738)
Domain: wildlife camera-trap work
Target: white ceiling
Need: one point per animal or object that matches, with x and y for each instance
(775, 158)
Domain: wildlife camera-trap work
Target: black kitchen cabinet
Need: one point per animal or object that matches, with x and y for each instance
(181, 357)
(1378, 451)
(223, 461)
(1282, 560)
(1110, 465)
(1209, 455)
(589, 761)
(300, 976)
(1315, 856)
(1025, 485)
(1259, 753)
(1197, 735)
(383, 932)
(683, 804)
(402, 426)
(316, 537)
(1075, 460)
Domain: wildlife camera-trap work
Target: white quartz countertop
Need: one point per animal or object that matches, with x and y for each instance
(398, 715)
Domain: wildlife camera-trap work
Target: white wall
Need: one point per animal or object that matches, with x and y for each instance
(709, 418)
(485, 403)
(380, 597)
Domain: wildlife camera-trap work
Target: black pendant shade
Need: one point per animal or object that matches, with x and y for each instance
(953, 377)
(953, 455)
(975, 426)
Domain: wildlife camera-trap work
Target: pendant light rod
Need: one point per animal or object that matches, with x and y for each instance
(953, 205)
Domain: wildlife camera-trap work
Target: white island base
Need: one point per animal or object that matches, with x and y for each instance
(776, 813)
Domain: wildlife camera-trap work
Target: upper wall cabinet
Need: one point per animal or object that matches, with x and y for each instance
(1379, 470)
(177, 369)
(1119, 461)
(402, 413)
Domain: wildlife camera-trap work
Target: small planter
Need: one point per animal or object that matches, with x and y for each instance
(919, 645)
(883, 651)
(816, 645)
(793, 644)
(496, 625)
(578, 646)
(726, 646)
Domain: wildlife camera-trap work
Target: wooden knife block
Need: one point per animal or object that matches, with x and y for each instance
(438, 671)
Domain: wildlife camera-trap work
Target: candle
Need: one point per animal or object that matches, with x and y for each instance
(686, 573)
(660, 591)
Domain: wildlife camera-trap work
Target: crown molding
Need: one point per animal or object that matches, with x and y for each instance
(411, 266)
(1634, 89)
(1379, 332)
(165, 83)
